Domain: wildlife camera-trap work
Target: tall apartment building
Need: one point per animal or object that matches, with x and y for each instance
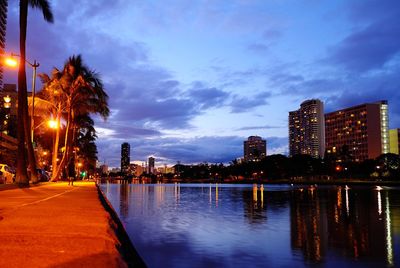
(255, 148)
(394, 138)
(125, 157)
(307, 129)
(3, 23)
(151, 166)
(364, 129)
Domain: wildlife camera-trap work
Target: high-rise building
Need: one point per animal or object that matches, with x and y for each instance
(394, 138)
(3, 23)
(255, 148)
(362, 129)
(151, 165)
(307, 129)
(125, 157)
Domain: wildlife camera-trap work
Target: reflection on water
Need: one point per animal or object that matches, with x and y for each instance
(219, 225)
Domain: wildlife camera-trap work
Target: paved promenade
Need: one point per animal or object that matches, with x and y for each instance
(56, 225)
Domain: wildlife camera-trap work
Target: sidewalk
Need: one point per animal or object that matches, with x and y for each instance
(56, 225)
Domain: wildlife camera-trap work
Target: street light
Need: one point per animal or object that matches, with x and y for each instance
(10, 61)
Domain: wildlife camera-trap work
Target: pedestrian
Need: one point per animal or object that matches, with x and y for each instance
(71, 173)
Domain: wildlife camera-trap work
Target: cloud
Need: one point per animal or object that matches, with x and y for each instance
(277, 145)
(258, 47)
(259, 127)
(207, 97)
(369, 48)
(240, 104)
(374, 40)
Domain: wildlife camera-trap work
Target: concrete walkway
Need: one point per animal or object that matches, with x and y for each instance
(56, 225)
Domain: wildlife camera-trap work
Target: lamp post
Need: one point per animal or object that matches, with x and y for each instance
(11, 62)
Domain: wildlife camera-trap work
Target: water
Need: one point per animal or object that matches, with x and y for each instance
(203, 225)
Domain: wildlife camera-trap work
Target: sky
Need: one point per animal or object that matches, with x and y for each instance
(189, 81)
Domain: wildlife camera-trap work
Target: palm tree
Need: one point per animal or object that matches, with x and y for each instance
(80, 92)
(23, 116)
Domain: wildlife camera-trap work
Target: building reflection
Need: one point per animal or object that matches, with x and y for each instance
(352, 223)
(254, 209)
(124, 197)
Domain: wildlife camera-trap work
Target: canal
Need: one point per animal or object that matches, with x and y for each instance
(222, 225)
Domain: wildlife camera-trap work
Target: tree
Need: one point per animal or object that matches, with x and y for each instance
(79, 92)
(23, 130)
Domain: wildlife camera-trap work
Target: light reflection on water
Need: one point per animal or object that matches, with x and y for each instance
(209, 225)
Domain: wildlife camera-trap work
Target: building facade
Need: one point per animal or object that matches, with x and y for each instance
(3, 24)
(255, 148)
(307, 129)
(8, 110)
(125, 157)
(362, 129)
(151, 165)
(394, 138)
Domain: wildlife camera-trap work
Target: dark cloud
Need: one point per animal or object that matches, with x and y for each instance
(240, 104)
(369, 48)
(170, 113)
(170, 150)
(260, 127)
(375, 39)
(206, 97)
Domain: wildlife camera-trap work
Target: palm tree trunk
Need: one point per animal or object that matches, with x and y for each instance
(31, 152)
(54, 176)
(22, 176)
(67, 143)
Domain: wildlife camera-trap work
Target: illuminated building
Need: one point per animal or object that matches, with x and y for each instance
(8, 110)
(125, 157)
(307, 129)
(3, 23)
(363, 129)
(394, 135)
(150, 167)
(255, 148)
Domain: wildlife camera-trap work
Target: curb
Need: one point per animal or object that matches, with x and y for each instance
(126, 249)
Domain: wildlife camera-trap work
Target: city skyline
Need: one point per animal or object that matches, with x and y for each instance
(190, 81)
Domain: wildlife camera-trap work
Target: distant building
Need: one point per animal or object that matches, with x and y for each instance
(8, 109)
(137, 170)
(165, 169)
(363, 129)
(125, 157)
(394, 138)
(104, 169)
(151, 165)
(3, 24)
(307, 129)
(255, 148)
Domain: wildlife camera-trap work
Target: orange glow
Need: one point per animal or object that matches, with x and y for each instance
(53, 124)
(338, 168)
(7, 99)
(11, 62)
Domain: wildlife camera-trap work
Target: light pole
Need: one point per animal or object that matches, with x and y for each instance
(34, 65)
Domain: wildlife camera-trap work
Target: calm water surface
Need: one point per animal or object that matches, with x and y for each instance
(203, 225)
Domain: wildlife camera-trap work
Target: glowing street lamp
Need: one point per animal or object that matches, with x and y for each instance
(12, 62)
(52, 124)
(7, 101)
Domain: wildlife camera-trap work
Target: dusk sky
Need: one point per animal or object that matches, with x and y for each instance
(190, 80)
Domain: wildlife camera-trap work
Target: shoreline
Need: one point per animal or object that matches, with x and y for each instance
(126, 248)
